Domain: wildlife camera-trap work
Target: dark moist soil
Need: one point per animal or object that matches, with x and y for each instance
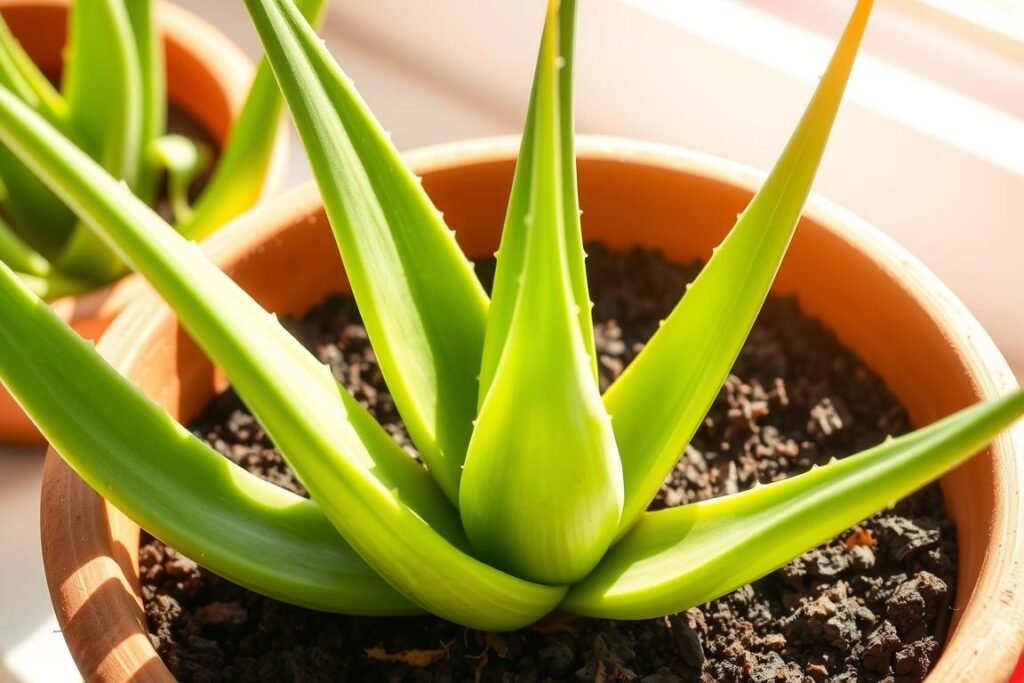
(871, 605)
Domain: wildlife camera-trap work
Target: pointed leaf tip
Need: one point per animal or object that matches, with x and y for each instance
(687, 360)
(542, 501)
(414, 541)
(426, 324)
(347, 460)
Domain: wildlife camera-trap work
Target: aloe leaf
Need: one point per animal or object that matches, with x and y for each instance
(150, 54)
(238, 179)
(382, 502)
(28, 202)
(662, 397)
(183, 160)
(542, 485)
(33, 268)
(171, 483)
(103, 85)
(42, 220)
(19, 255)
(422, 305)
(104, 90)
(20, 74)
(55, 285)
(681, 557)
(575, 255)
(511, 253)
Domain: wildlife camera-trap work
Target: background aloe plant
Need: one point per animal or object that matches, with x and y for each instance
(535, 487)
(112, 103)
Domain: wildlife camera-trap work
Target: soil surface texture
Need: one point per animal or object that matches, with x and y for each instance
(871, 605)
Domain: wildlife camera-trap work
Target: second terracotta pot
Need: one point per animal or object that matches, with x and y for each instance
(207, 78)
(880, 302)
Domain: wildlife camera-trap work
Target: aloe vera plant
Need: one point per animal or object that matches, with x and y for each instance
(533, 490)
(112, 104)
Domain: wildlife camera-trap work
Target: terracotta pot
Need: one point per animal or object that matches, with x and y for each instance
(207, 78)
(881, 302)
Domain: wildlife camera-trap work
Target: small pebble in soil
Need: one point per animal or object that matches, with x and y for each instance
(871, 605)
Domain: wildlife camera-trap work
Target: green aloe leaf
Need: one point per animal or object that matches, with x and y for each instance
(103, 85)
(27, 201)
(662, 397)
(17, 254)
(20, 74)
(542, 485)
(33, 268)
(422, 305)
(150, 51)
(511, 253)
(241, 170)
(678, 558)
(55, 285)
(41, 219)
(183, 160)
(382, 502)
(170, 482)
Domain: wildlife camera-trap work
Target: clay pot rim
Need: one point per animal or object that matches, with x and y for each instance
(1001, 575)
